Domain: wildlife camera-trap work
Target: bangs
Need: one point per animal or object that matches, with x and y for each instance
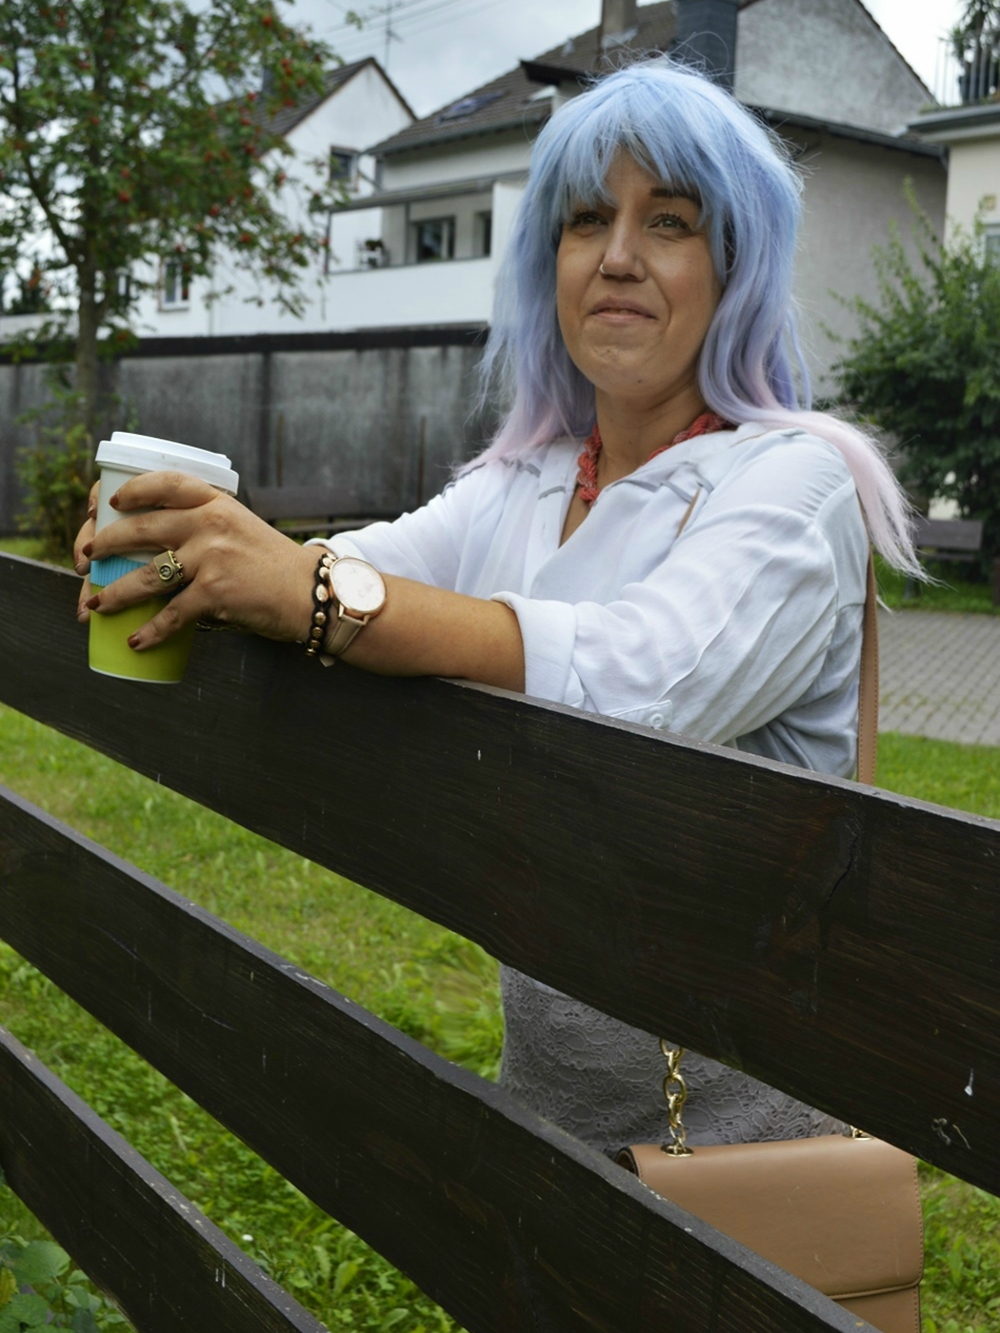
(639, 120)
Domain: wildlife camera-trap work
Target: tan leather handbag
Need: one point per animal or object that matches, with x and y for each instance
(840, 1212)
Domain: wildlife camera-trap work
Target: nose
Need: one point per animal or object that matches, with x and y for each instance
(622, 252)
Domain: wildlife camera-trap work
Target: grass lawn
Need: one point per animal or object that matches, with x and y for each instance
(950, 593)
(31, 548)
(435, 986)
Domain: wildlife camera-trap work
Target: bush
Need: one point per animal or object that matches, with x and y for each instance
(57, 471)
(924, 367)
(38, 1289)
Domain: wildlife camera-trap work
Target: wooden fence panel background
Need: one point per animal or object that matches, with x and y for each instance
(782, 921)
(512, 1225)
(167, 1265)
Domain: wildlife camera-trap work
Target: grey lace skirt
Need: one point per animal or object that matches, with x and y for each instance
(602, 1080)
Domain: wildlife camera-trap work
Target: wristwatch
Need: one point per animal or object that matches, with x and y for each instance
(357, 595)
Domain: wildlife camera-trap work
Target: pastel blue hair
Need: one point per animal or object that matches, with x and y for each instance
(692, 135)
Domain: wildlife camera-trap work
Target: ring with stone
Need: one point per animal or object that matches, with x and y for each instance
(170, 570)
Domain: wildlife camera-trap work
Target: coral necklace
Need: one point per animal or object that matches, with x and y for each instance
(586, 477)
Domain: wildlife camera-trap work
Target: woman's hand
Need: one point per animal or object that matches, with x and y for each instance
(237, 569)
(240, 571)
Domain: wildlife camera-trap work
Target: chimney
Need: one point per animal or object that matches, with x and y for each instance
(618, 22)
(706, 37)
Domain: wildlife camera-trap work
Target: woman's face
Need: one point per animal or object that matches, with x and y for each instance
(636, 328)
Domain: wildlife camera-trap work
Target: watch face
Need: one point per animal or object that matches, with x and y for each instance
(358, 586)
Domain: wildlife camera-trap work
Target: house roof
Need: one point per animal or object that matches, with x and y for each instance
(944, 123)
(511, 101)
(285, 120)
(900, 143)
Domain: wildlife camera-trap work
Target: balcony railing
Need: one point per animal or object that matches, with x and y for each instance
(972, 78)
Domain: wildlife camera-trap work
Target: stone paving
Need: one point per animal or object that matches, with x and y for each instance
(940, 675)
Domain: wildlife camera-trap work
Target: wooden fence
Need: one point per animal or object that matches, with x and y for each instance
(839, 942)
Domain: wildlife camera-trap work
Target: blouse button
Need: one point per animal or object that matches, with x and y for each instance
(656, 721)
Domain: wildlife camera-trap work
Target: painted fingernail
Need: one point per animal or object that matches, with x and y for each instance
(93, 603)
(113, 502)
(87, 549)
(134, 641)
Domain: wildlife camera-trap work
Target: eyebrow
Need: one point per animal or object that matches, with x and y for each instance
(674, 192)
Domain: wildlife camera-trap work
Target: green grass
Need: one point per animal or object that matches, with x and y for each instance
(435, 986)
(949, 592)
(32, 548)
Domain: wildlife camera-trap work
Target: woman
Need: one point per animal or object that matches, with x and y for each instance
(658, 532)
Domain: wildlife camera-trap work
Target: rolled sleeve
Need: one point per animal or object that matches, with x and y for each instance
(548, 632)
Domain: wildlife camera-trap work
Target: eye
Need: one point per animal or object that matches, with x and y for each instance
(583, 218)
(671, 222)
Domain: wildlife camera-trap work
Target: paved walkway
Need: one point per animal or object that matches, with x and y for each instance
(940, 675)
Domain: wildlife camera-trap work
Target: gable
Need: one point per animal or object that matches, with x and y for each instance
(827, 59)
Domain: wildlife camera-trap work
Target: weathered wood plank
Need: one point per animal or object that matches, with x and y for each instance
(840, 943)
(510, 1224)
(162, 1260)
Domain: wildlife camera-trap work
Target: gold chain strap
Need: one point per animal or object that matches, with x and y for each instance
(675, 1091)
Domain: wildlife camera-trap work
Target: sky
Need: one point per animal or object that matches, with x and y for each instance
(444, 48)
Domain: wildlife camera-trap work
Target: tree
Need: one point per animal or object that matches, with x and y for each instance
(975, 40)
(925, 366)
(131, 130)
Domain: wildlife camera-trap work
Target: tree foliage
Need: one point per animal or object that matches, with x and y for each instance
(925, 366)
(975, 40)
(136, 129)
(979, 21)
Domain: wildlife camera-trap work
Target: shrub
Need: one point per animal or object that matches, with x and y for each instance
(924, 366)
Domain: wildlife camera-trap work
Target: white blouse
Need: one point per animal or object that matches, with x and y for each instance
(744, 630)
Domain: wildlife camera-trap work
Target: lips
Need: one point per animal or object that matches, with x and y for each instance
(624, 309)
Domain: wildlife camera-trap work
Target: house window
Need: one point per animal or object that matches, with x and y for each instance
(433, 238)
(482, 234)
(991, 235)
(343, 167)
(174, 285)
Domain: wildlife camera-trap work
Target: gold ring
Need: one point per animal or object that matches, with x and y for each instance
(170, 570)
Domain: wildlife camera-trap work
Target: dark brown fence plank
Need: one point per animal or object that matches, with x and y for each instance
(839, 943)
(512, 1225)
(141, 1240)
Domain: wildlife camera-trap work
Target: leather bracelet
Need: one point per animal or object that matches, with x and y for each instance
(321, 605)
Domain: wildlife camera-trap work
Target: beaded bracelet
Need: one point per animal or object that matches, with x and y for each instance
(322, 596)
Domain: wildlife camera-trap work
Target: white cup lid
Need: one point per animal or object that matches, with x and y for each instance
(145, 453)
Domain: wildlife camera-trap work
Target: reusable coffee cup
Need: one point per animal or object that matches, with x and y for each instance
(124, 456)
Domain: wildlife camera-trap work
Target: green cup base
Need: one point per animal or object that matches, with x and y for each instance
(110, 654)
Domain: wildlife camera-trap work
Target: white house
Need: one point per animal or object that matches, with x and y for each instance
(968, 125)
(328, 135)
(821, 72)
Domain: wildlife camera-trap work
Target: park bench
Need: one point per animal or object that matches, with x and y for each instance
(837, 941)
(309, 510)
(951, 541)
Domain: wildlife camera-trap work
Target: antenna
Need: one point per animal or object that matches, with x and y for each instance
(391, 35)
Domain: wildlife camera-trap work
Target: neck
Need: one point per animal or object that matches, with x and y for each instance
(630, 432)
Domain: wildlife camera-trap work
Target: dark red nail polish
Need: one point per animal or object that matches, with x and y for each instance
(113, 502)
(86, 550)
(133, 641)
(93, 603)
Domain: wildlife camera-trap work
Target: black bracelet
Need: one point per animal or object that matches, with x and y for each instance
(322, 597)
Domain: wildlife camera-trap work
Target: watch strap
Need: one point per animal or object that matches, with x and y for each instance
(342, 636)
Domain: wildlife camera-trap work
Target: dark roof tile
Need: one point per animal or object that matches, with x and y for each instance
(506, 103)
